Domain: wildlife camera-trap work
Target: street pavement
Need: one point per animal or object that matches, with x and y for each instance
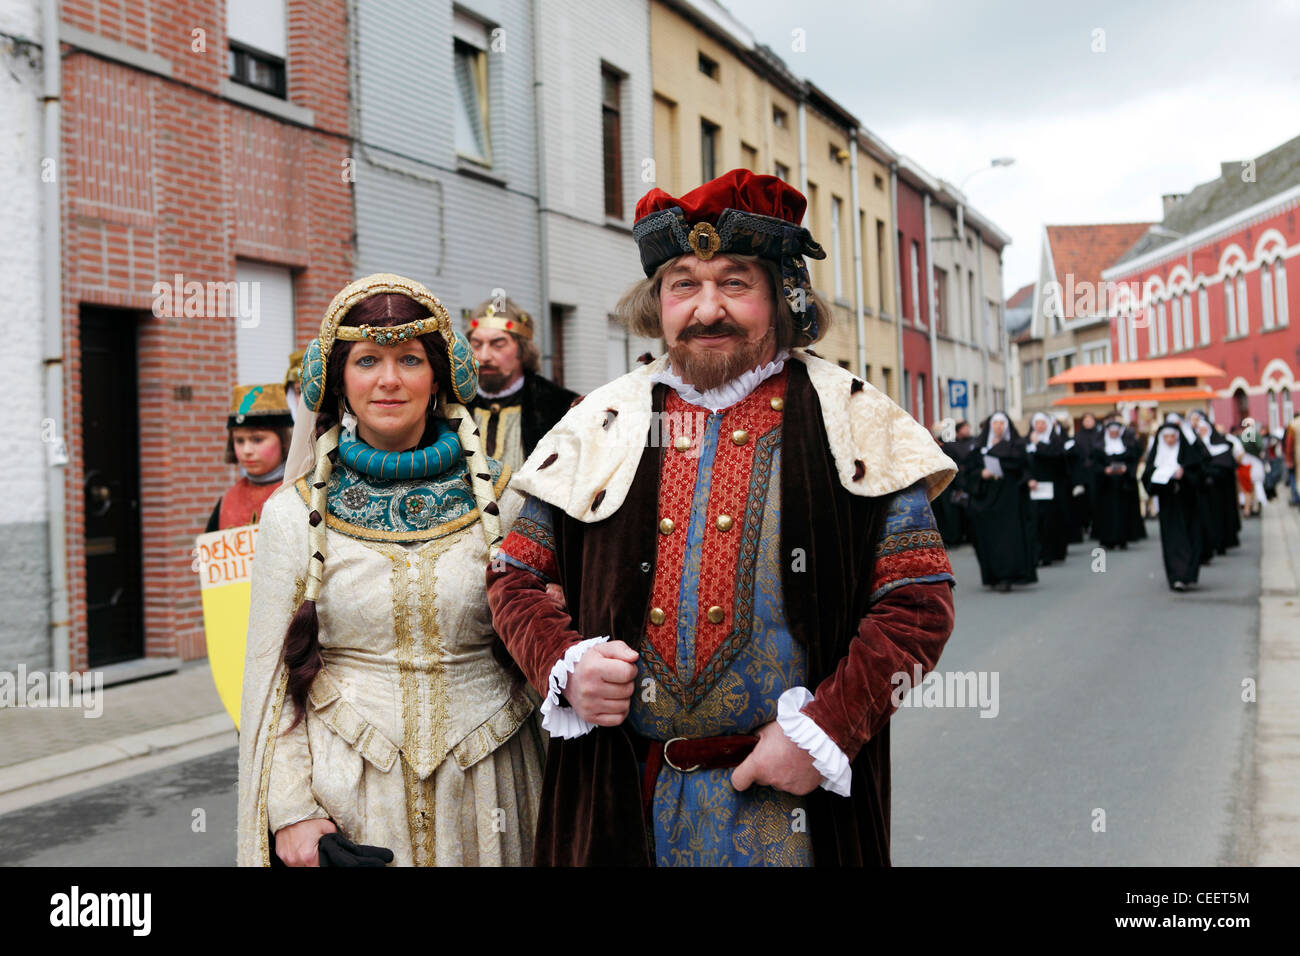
(1116, 695)
(1120, 737)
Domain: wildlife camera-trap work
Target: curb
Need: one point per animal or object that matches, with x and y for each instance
(56, 767)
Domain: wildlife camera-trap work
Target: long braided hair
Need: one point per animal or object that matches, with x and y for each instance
(302, 656)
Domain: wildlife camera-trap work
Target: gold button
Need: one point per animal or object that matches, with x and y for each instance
(656, 615)
(715, 615)
(494, 408)
(666, 526)
(740, 437)
(682, 443)
(724, 522)
(778, 404)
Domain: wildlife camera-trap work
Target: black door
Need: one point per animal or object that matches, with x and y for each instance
(110, 442)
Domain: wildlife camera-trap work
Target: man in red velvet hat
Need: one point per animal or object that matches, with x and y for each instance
(751, 571)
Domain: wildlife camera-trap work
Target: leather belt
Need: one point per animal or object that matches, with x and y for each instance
(686, 755)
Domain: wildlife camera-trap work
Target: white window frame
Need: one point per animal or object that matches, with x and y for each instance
(1273, 425)
(1230, 307)
(1162, 328)
(1203, 303)
(1132, 336)
(1189, 332)
(837, 264)
(472, 33)
(1279, 289)
(1121, 336)
(914, 255)
(1288, 405)
(1243, 305)
(1266, 295)
(1178, 323)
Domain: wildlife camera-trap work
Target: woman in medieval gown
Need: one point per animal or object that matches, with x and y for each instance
(1172, 474)
(997, 479)
(378, 725)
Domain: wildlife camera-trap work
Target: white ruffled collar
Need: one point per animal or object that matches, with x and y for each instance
(508, 390)
(725, 395)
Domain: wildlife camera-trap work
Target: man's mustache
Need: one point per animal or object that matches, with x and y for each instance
(717, 328)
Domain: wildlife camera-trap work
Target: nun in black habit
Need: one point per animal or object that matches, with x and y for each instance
(1221, 513)
(1172, 474)
(1049, 487)
(996, 473)
(1115, 461)
(1083, 475)
(950, 507)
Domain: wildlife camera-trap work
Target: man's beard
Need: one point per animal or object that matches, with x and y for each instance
(711, 368)
(492, 381)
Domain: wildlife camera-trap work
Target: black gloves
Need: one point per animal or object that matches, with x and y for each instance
(335, 849)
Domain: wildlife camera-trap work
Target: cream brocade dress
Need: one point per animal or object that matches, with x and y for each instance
(415, 738)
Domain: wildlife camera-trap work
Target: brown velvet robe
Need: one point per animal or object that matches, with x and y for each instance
(591, 812)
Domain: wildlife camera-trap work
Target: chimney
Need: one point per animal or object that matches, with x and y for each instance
(1229, 171)
(1169, 201)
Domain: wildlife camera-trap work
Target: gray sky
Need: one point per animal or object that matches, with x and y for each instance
(1181, 86)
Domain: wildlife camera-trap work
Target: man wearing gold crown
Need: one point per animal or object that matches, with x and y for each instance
(515, 406)
(752, 575)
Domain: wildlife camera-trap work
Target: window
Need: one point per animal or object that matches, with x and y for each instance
(779, 119)
(264, 331)
(940, 285)
(907, 390)
(969, 330)
(1230, 307)
(559, 314)
(916, 282)
(617, 349)
(1121, 336)
(256, 32)
(1203, 305)
(472, 137)
(1132, 337)
(881, 267)
(1096, 353)
(879, 181)
(1178, 324)
(1189, 338)
(1027, 376)
(612, 134)
(1266, 296)
(1279, 287)
(1162, 330)
(1273, 422)
(708, 150)
(920, 397)
(781, 171)
(1149, 314)
(708, 66)
(748, 157)
(838, 154)
(837, 206)
(886, 374)
(1288, 409)
(1243, 306)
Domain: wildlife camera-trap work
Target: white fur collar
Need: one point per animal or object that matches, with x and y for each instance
(726, 395)
(594, 450)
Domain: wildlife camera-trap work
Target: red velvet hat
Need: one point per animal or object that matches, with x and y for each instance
(740, 212)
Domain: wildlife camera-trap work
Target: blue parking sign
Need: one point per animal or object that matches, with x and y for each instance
(956, 393)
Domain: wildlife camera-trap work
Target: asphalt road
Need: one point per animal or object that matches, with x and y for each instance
(1114, 694)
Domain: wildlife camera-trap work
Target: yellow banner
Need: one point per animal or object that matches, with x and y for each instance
(225, 564)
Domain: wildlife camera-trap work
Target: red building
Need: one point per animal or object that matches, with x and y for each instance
(1214, 281)
(913, 268)
(203, 145)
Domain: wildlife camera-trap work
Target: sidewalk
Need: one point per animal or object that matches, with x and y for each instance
(1276, 815)
(48, 751)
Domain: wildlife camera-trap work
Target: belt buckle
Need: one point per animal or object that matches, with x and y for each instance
(668, 760)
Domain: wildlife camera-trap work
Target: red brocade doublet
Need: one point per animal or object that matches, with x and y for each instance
(749, 433)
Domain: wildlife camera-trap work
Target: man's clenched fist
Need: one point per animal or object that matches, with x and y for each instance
(600, 687)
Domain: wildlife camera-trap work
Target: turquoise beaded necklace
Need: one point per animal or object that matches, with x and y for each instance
(433, 459)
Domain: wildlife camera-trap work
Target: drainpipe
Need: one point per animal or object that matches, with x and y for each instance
(898, 272)
(543, 246)
(984, 335)
(857, 255)
(803, 151)
(52, 300)
(928, 279)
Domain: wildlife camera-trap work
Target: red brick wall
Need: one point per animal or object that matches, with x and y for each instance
(162, 176)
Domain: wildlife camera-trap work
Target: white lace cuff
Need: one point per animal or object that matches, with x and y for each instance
(564, 721)
(828, 759)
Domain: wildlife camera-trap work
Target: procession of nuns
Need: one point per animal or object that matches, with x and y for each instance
(1021, 501)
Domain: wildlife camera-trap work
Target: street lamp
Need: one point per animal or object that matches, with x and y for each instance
(997, 161)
